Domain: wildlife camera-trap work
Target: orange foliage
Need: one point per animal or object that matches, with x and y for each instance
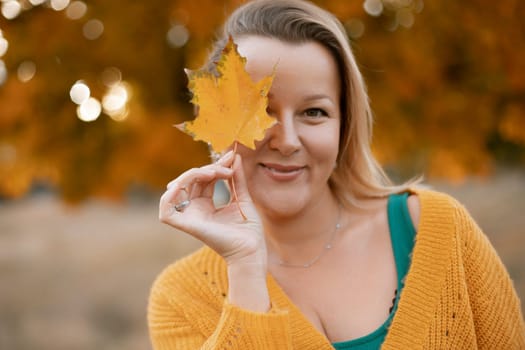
(448, 91)
(512, 124)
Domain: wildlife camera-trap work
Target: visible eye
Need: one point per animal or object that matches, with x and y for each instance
(315, 113)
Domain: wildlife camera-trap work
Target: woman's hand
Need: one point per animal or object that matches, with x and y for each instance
(188, 206)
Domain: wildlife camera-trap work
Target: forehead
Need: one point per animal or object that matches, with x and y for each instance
(308, 62)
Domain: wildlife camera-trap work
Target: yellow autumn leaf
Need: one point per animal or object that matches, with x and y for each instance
(232, 107)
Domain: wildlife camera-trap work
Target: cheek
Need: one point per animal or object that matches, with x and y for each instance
(323, 144)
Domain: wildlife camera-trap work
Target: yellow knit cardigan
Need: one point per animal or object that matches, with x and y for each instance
(457, 295)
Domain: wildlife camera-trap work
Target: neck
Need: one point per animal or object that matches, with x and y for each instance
(300, 237)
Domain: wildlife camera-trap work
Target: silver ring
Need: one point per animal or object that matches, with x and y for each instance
(182, 205)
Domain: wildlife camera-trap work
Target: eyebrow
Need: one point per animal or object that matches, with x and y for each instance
(311, 97)
(317, 97)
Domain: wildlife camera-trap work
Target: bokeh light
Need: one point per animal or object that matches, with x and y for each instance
(373, 7)
(355, 28)
(111, 76)
(405, 17)
(397, 4)
(3, 73)
(26, 71)
(177, 36)
(37, 2)
(419, 6)
(76, 10)
(11, 9)
(79, 92)
(59, 5)
(93, 29)
(89, 110)
(4, 45)
(115, 101)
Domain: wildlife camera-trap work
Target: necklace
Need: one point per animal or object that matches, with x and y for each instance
(328, 245)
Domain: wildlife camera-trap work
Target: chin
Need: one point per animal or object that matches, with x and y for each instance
(279, 205)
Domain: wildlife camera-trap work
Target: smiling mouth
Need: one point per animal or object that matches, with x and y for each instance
(282, 172)
(282, 168)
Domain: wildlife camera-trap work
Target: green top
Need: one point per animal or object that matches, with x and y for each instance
(402, 234)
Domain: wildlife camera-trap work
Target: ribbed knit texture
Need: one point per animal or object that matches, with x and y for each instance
(457, 295)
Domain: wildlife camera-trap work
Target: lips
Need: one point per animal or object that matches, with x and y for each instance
(281, 172)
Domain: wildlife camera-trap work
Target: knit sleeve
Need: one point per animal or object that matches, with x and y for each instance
(168, 328)
(494, 303)
(188, 318)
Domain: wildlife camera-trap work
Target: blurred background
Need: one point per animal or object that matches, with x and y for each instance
(89, 93)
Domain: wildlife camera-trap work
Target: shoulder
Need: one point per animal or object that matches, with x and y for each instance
(438, 211)
(425, 201)
(429, 202)
(185, 291)
(181, 281)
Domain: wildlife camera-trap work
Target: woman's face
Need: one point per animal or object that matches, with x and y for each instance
(290, 167)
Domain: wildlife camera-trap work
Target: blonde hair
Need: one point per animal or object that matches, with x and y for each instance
(358, 175)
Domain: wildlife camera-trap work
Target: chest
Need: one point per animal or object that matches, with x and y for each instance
(347, 295)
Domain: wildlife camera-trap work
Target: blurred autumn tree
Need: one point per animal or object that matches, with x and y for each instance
(446, 79)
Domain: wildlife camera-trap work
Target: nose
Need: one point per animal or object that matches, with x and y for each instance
(283, 136)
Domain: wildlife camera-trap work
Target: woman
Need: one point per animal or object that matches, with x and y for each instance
(328, 256)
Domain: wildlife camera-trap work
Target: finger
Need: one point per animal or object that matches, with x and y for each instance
(199, 189)
(226, 159)
(176, 194)
(189, 186)
(209, 190)
(221, 165)
(203, 174)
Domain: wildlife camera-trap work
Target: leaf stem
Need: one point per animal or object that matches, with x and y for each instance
(235, 198)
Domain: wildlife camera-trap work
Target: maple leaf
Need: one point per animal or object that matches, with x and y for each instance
(232, 107)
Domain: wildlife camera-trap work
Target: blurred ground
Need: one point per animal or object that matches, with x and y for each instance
(78, 278)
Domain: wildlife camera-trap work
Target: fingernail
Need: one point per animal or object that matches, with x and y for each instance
(226, 156)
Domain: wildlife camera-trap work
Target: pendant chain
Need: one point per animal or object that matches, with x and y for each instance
(328, 245)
